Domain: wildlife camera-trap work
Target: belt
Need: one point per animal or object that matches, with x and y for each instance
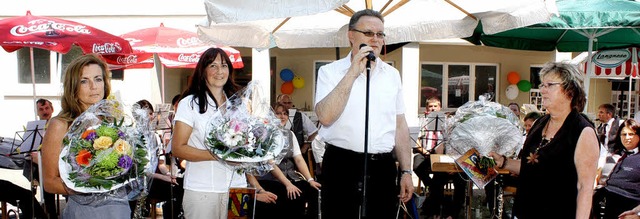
(370, 156)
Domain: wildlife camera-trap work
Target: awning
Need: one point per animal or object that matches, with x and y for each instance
(614, 63)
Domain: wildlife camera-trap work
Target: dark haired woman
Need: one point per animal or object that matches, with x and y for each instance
(206, 180)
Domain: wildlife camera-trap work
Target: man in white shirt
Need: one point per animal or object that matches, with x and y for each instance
(340, 106)
(609, 125)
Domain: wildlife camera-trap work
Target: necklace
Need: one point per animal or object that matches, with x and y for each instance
(544, 142)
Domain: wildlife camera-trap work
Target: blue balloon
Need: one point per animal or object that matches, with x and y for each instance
(286, 74)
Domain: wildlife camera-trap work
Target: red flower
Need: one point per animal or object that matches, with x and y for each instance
(83, 157)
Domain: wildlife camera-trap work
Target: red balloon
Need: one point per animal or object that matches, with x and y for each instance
(513, 77)
(287, 87)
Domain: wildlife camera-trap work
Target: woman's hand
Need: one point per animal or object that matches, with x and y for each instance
(293, 192)
(266, 197)
(499, 159)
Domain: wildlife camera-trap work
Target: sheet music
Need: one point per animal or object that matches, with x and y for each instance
(32, 137)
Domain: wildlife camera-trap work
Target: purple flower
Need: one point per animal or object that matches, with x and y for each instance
(260, 133)
(120, 134)
(91, 136)
(125, 162)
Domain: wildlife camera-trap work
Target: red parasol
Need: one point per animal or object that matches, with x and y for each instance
(176, 48)
(56, 35)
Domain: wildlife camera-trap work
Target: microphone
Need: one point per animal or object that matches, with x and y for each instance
(370, 56)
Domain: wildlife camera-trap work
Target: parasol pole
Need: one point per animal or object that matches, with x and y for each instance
(33, 82)
(162, 80)
(634, 64)
(589, 72)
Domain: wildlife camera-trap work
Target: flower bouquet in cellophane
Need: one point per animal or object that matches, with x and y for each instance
(480, 127)
(105, 150)
(247, 136)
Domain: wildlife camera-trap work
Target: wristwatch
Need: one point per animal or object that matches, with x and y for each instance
(406, 172)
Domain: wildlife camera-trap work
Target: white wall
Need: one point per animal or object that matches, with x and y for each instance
(116, 17)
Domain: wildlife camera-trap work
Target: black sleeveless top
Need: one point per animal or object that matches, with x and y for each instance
(548, 188)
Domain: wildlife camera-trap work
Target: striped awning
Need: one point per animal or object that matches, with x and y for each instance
(613, 63)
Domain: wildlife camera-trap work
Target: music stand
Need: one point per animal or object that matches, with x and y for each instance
(434, 122)
(163, 117)
(31, 141)
(32, 136)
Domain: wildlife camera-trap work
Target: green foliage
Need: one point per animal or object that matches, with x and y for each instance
(105, 130)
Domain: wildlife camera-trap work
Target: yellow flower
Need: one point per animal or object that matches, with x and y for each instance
(122, 147)
(103, 142)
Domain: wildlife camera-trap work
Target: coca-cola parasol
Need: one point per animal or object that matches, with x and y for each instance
(56, 35)
(174, 47)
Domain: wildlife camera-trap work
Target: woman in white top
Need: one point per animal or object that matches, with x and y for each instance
(206, 180)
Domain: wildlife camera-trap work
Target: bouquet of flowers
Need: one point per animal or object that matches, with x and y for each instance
(485, 126)
(247, 133)
(104, 151)
(480, 127)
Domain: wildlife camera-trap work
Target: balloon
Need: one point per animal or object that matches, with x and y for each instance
(286, 74)
(513, 77)
(524, 85)
(298, 82)
(286, 88)
(512, 92)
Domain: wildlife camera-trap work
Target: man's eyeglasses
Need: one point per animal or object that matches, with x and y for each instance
(548, 84)
(380, 35)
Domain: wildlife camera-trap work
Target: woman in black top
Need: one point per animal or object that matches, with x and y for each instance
(560, 155)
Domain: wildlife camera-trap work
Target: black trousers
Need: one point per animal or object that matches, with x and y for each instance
(616, 204)
(343, 181)
(30, 207)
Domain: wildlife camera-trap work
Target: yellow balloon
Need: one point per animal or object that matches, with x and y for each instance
(298, 82)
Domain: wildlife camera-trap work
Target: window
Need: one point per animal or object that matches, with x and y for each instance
(535, 97)
(41, 66)
(431, 83)
(486, 80)
(465, 82)
(458, 83)
(117, 74)
(74, 53)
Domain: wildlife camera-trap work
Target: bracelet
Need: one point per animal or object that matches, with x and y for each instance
(406, 172)
(311, 179)
(504, 162)
(258, 191)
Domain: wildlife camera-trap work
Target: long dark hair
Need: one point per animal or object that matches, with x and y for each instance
(618, 147)
(198, 81)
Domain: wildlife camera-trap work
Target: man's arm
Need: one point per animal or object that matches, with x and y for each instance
(402, 150)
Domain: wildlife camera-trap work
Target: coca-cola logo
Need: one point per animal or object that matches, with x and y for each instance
(51, 28)
(130, 59)
(193, 58)
(188, 42)
(106, 48)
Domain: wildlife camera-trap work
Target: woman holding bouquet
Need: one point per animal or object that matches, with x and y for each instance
(206, 180)
(291, 179)
(86, 81)
(560, 155)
